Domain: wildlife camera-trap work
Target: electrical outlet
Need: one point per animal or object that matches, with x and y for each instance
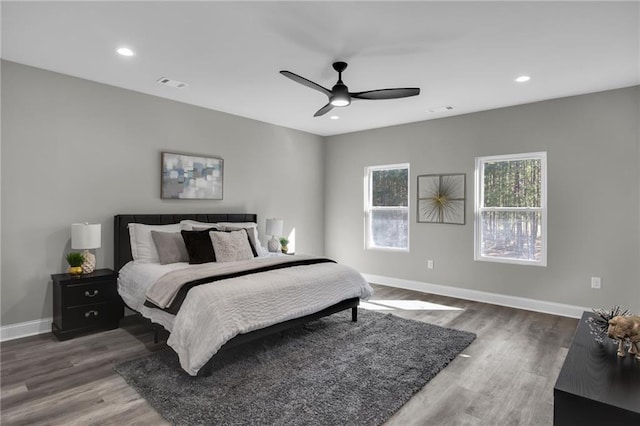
(430, 264)
(596, 282)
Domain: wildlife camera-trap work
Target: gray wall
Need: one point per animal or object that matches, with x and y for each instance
(592, 143)
(75, 150)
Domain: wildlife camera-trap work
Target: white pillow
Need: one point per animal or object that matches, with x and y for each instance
(188, 225)
(143, 249)
(231, 246)
(252, 230)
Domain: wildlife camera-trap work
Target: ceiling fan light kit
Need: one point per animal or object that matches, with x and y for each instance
(339, 95)
(339, 101)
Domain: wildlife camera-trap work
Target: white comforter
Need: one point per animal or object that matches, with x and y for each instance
(212, 314)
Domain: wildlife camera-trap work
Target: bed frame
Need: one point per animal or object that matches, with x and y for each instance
(122, 255)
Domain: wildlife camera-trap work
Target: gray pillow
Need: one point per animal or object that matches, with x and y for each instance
(251, 233)
(231, 246)
(171, 247)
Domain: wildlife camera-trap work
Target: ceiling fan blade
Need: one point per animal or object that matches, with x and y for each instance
(325, 109)
(387, 93)
(305, 82)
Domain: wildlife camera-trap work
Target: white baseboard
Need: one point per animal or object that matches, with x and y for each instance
(25, 329)
(31, 328)
(481, 296)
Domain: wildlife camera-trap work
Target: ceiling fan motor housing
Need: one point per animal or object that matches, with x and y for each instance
(340, 95)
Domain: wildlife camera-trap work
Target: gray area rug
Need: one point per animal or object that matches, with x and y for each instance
(331, 372)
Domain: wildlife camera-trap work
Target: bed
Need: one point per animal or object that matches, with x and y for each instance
(210, 307)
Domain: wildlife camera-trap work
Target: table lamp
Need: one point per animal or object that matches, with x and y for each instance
(85, 236)
(274, 228)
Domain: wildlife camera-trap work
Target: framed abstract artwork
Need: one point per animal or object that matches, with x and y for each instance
(441, 198)
(191, 177)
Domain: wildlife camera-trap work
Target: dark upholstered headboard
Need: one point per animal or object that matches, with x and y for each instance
(122, 246)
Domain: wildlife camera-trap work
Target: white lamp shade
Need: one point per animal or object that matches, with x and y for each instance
(274, 227)
(85, 236)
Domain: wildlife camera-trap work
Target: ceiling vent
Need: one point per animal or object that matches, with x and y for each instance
(440, 109)
(173, 83)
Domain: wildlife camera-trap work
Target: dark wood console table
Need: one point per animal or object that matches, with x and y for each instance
(595, 386)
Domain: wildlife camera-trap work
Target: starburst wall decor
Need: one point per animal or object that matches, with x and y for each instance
(441, 198)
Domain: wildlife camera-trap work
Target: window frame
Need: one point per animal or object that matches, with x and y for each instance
(368, 208)
(479, 209)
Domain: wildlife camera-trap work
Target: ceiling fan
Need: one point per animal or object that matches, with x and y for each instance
(339, 95)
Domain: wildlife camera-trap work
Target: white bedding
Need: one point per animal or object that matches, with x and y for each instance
(133, 281)
(212, 314)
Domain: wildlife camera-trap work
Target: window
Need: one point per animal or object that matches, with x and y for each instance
(387, 207)
(511, 209)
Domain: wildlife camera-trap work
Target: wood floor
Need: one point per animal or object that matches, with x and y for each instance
(505, 377)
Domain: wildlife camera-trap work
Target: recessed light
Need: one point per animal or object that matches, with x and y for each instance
(334, 117)
(125, 51)
(523, 78)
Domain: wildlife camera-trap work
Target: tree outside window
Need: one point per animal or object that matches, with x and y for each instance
(510, 209)
(387, 207)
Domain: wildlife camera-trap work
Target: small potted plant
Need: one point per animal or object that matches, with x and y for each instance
(284, 241)
(75, 261)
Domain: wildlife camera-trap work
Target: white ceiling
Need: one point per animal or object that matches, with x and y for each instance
(464, 54)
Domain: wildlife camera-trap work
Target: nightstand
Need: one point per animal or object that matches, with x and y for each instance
(85, 303)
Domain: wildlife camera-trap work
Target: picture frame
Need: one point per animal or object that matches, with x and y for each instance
(442, 198)
(191, 177)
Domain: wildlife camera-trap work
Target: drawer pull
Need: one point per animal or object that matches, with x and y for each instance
(95, 293)
(89, 313)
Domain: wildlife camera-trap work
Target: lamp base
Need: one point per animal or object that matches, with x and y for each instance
(273, 244)
(89, 263)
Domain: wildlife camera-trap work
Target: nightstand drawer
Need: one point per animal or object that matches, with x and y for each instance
(89, 315)
(83, 294)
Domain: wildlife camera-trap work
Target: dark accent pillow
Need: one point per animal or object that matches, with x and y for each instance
(199, 246)
(171, 247)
